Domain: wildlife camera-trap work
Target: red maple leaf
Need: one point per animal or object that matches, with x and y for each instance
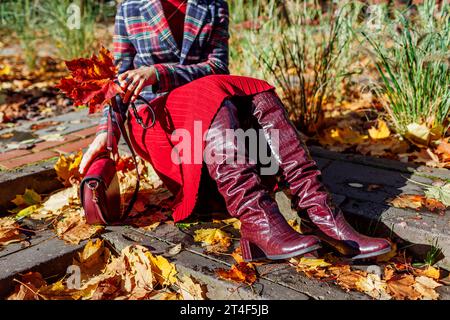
(91, 81)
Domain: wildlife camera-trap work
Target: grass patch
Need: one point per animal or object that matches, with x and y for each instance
(412, 58)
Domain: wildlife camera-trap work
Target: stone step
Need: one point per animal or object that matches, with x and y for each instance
(50, 257)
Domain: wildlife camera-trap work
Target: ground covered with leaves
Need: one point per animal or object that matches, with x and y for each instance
(136, 273)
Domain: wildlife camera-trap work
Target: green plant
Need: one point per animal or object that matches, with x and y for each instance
(262, 17)
(72, 39)
(22, 18)
(432, 256)
(414, 69)
(303, 61)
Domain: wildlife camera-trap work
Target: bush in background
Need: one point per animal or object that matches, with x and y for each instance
(412, 57)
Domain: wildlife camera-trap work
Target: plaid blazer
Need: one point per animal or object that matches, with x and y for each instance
(143, 38)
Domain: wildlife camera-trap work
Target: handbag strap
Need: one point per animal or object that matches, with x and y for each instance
(117, 112)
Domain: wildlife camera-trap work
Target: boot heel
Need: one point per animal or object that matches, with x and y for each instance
(251, 252)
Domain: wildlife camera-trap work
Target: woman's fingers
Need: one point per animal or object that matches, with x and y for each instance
(93, 151)
(87, 158)
(132, 83)
(124, 80)
(90, 155)
(138, 90)
(131, 88)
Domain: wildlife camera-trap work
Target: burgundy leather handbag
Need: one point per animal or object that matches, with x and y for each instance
(99, 190)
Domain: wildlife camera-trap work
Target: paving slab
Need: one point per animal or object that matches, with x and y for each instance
(384, 163)
(39, 176)
(371, 183)
(419, 234)
(50, 258)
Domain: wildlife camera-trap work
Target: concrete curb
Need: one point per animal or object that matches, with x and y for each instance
(40, 176)
(50, 256)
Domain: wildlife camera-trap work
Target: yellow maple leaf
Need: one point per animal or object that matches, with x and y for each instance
(164, 270)
(67, 167)
(234, 222)
(380, 131)
(5, 70)
(295, 225)
(216, 239)
(347, 136)
(310, 263)
(56, 202)
(93, 258)
(421, 134)
(27, 211)
(237, 255)
(429, 271)
(138, 273)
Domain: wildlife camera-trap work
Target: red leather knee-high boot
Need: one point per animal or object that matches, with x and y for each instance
(303, 177)
(264, 231)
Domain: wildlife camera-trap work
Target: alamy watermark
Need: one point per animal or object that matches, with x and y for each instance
(73, 17)
(229, 146)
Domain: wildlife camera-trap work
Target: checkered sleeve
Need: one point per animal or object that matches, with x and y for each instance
(124, 53)
(171, 76)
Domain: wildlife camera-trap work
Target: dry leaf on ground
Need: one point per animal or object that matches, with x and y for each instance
(73, 227)
(415, 201)
(373, 286)
(401, 287)
(215, 240)
(190, 289)
(440, 193)
(28, 287)
(56, 202)
(425, 286)
(164, 270)
(148, 221)
(429, 271)
(92, 259)
(242, 272)
(379, 131)
(9, 231)
(67, 168)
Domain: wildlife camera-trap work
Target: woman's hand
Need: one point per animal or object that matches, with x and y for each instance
(97, 147)
(133, 81)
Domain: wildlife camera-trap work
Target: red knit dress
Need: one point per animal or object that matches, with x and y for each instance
(189, 108)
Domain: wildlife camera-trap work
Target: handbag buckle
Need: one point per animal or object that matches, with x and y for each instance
(139, 119)
(93, 185)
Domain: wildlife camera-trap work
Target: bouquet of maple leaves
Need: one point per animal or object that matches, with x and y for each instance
(92, 81)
